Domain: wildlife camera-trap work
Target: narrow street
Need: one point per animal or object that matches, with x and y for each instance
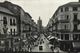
(35, 28)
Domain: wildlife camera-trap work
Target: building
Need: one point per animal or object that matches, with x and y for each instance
(29, 30)
(39, 24)
(8, 28)
(49, 27)
(66, 25)
(19, 24)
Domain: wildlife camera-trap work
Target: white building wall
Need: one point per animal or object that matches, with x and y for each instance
(8, 23)
(45, 45)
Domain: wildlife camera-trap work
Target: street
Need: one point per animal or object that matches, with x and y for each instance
(45, 46)
(21, 33)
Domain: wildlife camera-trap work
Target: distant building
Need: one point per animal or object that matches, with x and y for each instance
(66, 25)
(49, 27)
(39, 24)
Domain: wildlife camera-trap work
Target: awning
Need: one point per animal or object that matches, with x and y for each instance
(76, 44)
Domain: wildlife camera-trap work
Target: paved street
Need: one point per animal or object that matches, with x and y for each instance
(46, 47)
(20, 33)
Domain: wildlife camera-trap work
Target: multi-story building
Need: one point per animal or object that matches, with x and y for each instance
(66, 25)
(49, 27)
(19, 25)
(8, 28)
(29, 31)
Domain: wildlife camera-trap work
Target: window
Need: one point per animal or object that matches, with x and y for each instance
(75, 16)
(57, 35)
(75, 37)
(75, 8)
(43, 41)
(40, 42)
(66, 36)
(40, 47)
(66, 26)
(30, 28)
(2, 43)
(79, 36)
(75, 27)
(67, 17)
(11, 31)
(27, 27)
(14, 31)
(16, 40)
(4, 20)
(61, 36)
(61, 9)
(10, 21)
(14, 23)
(66, 9)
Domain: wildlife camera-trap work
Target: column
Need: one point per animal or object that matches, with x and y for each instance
(63, 36)
(71, 36)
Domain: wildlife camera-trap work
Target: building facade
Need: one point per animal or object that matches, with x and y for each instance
(18, 25)
(39, 24)
(66, 25)
(29, 30)
(8, 28)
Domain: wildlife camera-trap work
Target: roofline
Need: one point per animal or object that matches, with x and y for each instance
(28, 14)
(61, 7)
(8, 14)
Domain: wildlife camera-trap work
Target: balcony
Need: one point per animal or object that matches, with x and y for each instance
(76, 21)
(65, 20)
(2, 36)
(63, 30)
(25, 31)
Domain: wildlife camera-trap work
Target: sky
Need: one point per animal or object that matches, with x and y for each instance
(43, 8)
